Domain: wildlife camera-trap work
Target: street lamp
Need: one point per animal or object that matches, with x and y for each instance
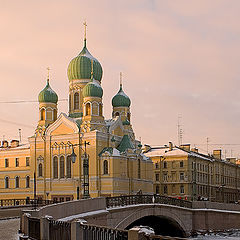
(73, 155)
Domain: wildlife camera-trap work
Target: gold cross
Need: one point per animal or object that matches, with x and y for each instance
(121, 78)
(48, 69)
(85, 30)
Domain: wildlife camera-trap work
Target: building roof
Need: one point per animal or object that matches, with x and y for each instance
(112, 151)
(125, 144)
(176, 151)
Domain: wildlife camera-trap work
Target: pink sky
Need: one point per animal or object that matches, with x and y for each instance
(177, 58)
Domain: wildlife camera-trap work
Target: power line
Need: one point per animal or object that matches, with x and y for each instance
(16, 123)
(27, 101)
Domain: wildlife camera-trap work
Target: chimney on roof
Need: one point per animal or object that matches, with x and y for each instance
(194, 150)
(146, 148)
(170, 146)
(217, 154)
(5, 143)
(232, 160)
(185, 147)
(14, 143)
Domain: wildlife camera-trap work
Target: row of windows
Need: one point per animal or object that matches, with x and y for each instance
(165, 189)
(59, 166)
(165, 177)
(76, 104)
(17, 182)
(88, 109)
(27, 162)
(43, 114)
(201, 167)
(165, 164)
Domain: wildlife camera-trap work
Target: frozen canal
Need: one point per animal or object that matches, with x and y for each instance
(9, 229)
(234, 235)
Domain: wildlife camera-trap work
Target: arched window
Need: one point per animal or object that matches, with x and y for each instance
(42, 114)
(40, 172)
(69, 165)
(54, 114)
(128, 116)
(17, 182)
(105, 167)
(88, 109)
(76, 100)
(27, 181)
(139, 168)
(100, 109)
(6, 182)
(117, 114)
(62, 167)
(70, 102)
(55, 167)
(157, 189)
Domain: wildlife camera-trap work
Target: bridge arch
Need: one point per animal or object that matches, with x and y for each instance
(164, 216)
(162, 225)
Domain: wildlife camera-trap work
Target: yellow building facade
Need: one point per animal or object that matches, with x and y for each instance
(79, 154)
(184, 173)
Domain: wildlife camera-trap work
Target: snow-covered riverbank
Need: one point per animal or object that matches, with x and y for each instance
(9, 229)
(233, 234)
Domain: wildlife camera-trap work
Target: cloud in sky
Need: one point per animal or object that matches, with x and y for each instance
(177, 57)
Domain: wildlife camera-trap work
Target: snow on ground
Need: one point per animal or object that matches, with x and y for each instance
(232, 235)
(9, 229)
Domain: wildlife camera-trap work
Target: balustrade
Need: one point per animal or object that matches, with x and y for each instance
(145, 199)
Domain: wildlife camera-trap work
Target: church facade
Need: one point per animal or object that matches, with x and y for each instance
(79, 154)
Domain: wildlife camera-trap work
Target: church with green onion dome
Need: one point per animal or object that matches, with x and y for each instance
(81, 153)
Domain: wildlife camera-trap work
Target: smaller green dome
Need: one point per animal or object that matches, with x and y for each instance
(121, 99)
(92, 89)
(48, 95)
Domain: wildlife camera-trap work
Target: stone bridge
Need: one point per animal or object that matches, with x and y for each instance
(167, 216)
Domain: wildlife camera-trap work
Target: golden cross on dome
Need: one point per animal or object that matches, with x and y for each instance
(121, 78)
(85, 30)
(48, 69)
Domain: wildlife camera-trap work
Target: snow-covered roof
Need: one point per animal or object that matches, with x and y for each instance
(145, 158)
(21, 146)
(164, 151)
(111, 151)
(109, 122)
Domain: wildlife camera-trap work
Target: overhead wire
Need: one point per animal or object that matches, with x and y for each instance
(27, 101)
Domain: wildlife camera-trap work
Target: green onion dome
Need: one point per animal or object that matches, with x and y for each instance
(92, 89)
(121, 99)
(48, 95)
(80, 66)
